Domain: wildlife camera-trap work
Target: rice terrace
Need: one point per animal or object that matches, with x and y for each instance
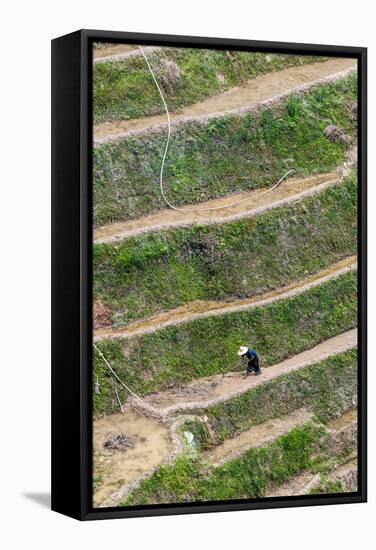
(228, 220)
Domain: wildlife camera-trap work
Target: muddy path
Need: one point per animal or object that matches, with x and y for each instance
(350, 417)
(238, 99)
(256, 436)
(204, 392)
(151, 445)
(119, 52)
(200, 309)
(253, 203)
(112, 49)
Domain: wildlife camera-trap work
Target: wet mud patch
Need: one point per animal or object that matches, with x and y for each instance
(150, 445)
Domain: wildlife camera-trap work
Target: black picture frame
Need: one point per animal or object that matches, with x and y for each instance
(71, 274)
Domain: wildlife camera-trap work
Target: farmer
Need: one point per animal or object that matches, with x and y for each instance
(253, 360)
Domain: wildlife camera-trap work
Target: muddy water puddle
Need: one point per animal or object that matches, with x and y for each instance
(113, 467)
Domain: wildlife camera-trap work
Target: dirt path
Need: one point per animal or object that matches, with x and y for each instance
(204, 392)
(119, 52)
(201, 308)
(111, 50)
(151, 446)
(263, 88)
(257, 436)
(341, 422)
(253, 203)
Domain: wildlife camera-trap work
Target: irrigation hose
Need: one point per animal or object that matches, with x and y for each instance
(114, 373)
(185, 210)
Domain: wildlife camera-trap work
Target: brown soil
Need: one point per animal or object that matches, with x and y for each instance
(346, 419)
(113, 49)
(256, 436)
(200, 308)
(101, 315)
(151, 446)
(257, 90)
(208, 391)
(253, 203)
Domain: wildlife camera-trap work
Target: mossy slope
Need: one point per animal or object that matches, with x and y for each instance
(223, 155)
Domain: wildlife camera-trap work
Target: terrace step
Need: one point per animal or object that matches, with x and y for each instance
(262, 89)
(201, 309)
(204, 392)
(252, 203)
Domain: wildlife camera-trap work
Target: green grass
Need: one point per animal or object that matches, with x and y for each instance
(125, 89)
(224, 155)
(162, 270)
(204, 347)
(248, 476)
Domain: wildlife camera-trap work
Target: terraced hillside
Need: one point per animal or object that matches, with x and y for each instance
(122, 89)
(177, 292)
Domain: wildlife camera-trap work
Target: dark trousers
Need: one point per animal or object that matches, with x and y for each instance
(253, 366)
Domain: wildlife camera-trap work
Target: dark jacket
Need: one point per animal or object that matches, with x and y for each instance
(253, 361)
(251, 354)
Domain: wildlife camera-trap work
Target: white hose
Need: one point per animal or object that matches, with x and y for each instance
(184, 210)
(114, 373)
